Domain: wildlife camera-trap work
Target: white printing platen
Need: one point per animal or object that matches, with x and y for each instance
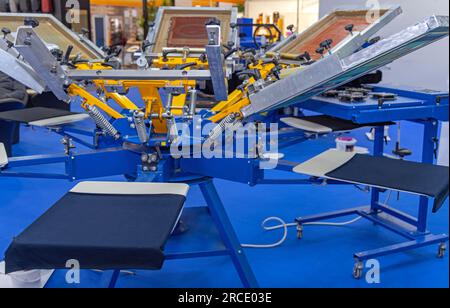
(125, 188)
(324, 163)
(307, 125)
(60, 120)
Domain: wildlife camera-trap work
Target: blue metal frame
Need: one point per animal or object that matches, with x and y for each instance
(109, 157)
(232, 246)
(78, 166)
(408, 105)
(413, 229)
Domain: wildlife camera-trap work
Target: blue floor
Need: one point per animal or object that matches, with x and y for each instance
(322, 259)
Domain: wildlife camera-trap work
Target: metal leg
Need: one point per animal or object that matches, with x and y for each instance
(405, 246)
(109, 278)
(227, 234)
(414, 230)
(114, 278)
(429, 136)
(378, 150)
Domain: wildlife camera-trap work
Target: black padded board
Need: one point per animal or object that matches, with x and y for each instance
(33, 114)
(104, 232)
(418, 178)
(339, 125)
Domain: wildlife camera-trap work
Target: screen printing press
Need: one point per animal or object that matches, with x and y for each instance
(129, 226)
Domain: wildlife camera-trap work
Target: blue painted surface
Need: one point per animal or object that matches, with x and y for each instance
(410, 104)
(322, 259)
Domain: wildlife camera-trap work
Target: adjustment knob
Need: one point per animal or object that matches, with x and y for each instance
(326, 44)
(213, 22)
(32, 22)
(320, 50)
(6, 31)
(350, 28)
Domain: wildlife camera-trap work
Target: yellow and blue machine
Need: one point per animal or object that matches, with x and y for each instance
(137, 138)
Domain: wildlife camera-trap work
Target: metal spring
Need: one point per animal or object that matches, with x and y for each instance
(227, 122)
(141, 129)
(173, 130)
(102, 122)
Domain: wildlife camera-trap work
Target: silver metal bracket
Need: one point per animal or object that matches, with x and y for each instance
(3, 156)
(216, 62)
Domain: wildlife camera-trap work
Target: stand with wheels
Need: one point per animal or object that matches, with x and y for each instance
(413, 229)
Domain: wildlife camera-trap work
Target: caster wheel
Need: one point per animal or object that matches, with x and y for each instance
(442, 250)
(299, 232)
(358, 270)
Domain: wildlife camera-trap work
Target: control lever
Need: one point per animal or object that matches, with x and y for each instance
(67, 54)
(66, 59)
(185, 66)
(166, 53)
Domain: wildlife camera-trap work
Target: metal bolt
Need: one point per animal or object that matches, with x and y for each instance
(153, 158)
(144, 158)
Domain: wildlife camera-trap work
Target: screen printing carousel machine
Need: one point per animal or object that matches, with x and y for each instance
(184, 87)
